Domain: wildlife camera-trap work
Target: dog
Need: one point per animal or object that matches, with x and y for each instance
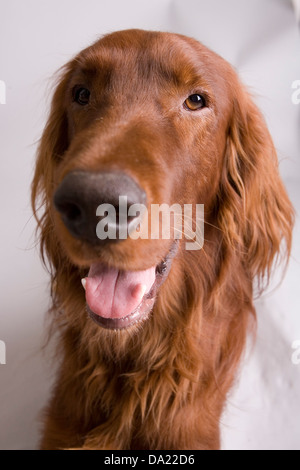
(150, 345)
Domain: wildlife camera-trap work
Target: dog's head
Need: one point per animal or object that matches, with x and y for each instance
(141, 119)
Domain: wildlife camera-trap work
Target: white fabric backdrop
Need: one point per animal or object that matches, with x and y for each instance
(260, 38)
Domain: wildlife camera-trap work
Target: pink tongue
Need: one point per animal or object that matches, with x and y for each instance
(111, 293)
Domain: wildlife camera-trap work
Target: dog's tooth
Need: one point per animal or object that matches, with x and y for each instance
(83, 282)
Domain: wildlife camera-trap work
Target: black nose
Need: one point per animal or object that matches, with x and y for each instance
(79, 196)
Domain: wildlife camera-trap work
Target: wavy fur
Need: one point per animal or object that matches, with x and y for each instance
(162, 384)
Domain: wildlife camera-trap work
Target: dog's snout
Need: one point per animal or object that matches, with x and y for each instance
(80, 194)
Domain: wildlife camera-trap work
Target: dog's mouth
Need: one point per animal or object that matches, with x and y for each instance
(118, 299)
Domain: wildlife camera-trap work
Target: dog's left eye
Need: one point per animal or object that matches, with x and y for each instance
(81, 95)
(195, 102)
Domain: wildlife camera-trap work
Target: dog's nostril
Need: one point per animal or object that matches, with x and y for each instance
(70, 210)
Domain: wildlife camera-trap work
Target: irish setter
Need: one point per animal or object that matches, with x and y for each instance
(149, 349)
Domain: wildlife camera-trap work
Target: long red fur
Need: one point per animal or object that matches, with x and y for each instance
(161, 384)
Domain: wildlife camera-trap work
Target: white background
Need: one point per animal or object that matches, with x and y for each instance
(260, 38)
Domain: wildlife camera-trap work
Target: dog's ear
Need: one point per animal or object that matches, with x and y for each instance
(255, 215)
(54, 141)
(53, 144)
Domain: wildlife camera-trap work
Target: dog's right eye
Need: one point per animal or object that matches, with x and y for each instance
(81, 95)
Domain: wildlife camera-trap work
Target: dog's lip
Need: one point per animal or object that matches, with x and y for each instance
(137, 316)
(143, 310)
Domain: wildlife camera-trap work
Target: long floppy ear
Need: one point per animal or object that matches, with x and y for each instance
(256, 215)
(53, 144)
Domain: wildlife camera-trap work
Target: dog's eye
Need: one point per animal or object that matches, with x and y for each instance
(195, 102)
(81, 95)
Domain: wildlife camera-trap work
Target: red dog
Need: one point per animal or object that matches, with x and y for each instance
(150, 351)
